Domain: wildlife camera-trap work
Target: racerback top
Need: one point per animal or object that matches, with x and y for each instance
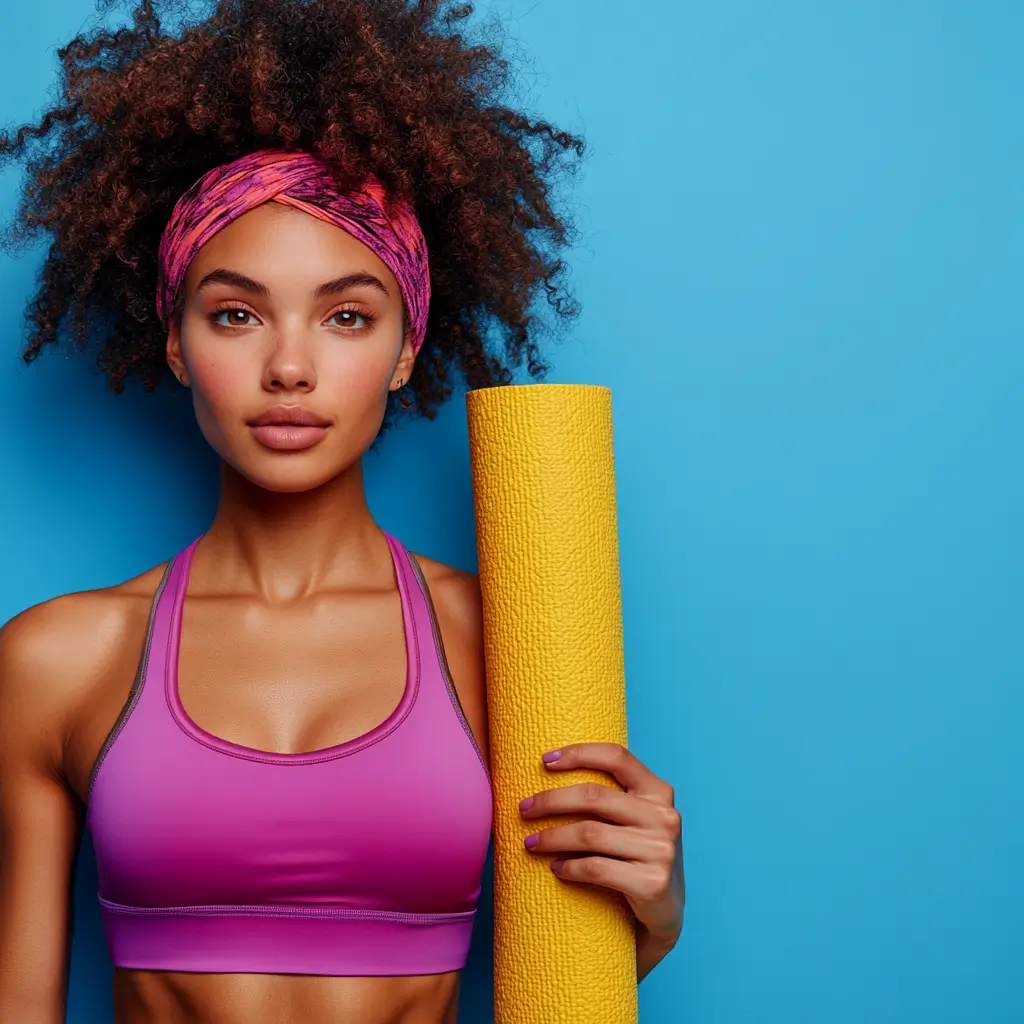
(363, 858)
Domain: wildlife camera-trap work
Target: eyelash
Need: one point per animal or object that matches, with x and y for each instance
(369, 318)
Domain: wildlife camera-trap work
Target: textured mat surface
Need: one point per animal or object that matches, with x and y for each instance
(547, 542)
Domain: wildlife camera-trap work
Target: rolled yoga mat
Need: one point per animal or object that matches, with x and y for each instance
(547, 544)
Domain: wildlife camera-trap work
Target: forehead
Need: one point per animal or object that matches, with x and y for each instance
(283, 247)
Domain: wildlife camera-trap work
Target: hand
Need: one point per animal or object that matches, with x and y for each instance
(634, 837)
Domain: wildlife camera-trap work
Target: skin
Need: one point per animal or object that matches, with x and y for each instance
(297, 574)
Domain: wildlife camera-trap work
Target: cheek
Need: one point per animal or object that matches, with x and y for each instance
(220, 383)
(351, 381)
(354, 381)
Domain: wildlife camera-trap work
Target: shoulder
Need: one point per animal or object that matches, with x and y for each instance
(53, 654)
(456, 596)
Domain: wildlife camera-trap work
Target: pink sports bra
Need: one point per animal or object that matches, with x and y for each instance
(363, 858)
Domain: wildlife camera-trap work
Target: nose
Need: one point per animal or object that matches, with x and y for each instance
(291, 366)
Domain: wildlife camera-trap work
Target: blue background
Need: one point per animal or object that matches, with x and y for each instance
(800, 270)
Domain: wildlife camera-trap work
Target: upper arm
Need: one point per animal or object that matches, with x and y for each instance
(39, 819)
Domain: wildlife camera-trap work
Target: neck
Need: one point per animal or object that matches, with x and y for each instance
(284, 547)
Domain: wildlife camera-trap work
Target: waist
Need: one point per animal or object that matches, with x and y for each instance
(274, 939)
(152, 997)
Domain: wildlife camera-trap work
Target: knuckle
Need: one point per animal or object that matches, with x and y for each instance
(590, 832)
(589, 870)
(592, 792)
(658, 882)
(666, 852)
(673, 822)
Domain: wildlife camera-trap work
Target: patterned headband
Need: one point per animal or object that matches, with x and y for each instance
(387, 227)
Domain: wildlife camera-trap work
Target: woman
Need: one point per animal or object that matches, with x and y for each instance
(315, 214)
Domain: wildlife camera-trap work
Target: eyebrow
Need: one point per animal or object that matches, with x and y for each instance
(236, 280)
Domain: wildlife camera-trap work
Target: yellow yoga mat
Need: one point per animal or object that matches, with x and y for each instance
(547, 544)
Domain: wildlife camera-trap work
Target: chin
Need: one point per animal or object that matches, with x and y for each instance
(299, 486)
(289, 475)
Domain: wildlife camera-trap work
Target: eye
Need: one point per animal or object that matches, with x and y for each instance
(237, 316)
(350, 318)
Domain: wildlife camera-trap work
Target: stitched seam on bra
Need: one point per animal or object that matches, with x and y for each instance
(329, 913)
(248, 754)
(138, 683)
(442, 659)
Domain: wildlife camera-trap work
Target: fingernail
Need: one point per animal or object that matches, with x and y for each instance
(532, 841)
(525, 805)
(553, 755)
(556, 864)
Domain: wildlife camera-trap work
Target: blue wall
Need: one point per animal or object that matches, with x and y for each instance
(801, 277)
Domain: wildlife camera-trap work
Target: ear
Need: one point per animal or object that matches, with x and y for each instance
(403, 368)
(175, 360)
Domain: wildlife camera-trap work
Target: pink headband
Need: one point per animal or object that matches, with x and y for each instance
(387, 227)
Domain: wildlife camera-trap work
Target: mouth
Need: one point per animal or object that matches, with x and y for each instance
(288, 428)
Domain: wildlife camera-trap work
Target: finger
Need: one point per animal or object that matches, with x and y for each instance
(624, 766)
(638, 882)
(595, 800)
(600, 837)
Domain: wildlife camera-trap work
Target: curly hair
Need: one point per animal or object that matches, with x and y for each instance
(392, 87)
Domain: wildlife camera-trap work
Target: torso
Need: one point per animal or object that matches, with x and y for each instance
(288, 680)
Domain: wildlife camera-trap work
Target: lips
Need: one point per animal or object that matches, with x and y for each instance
(289, 428)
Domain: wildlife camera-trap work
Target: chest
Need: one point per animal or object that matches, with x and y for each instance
(294, 678)
(288, 679)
